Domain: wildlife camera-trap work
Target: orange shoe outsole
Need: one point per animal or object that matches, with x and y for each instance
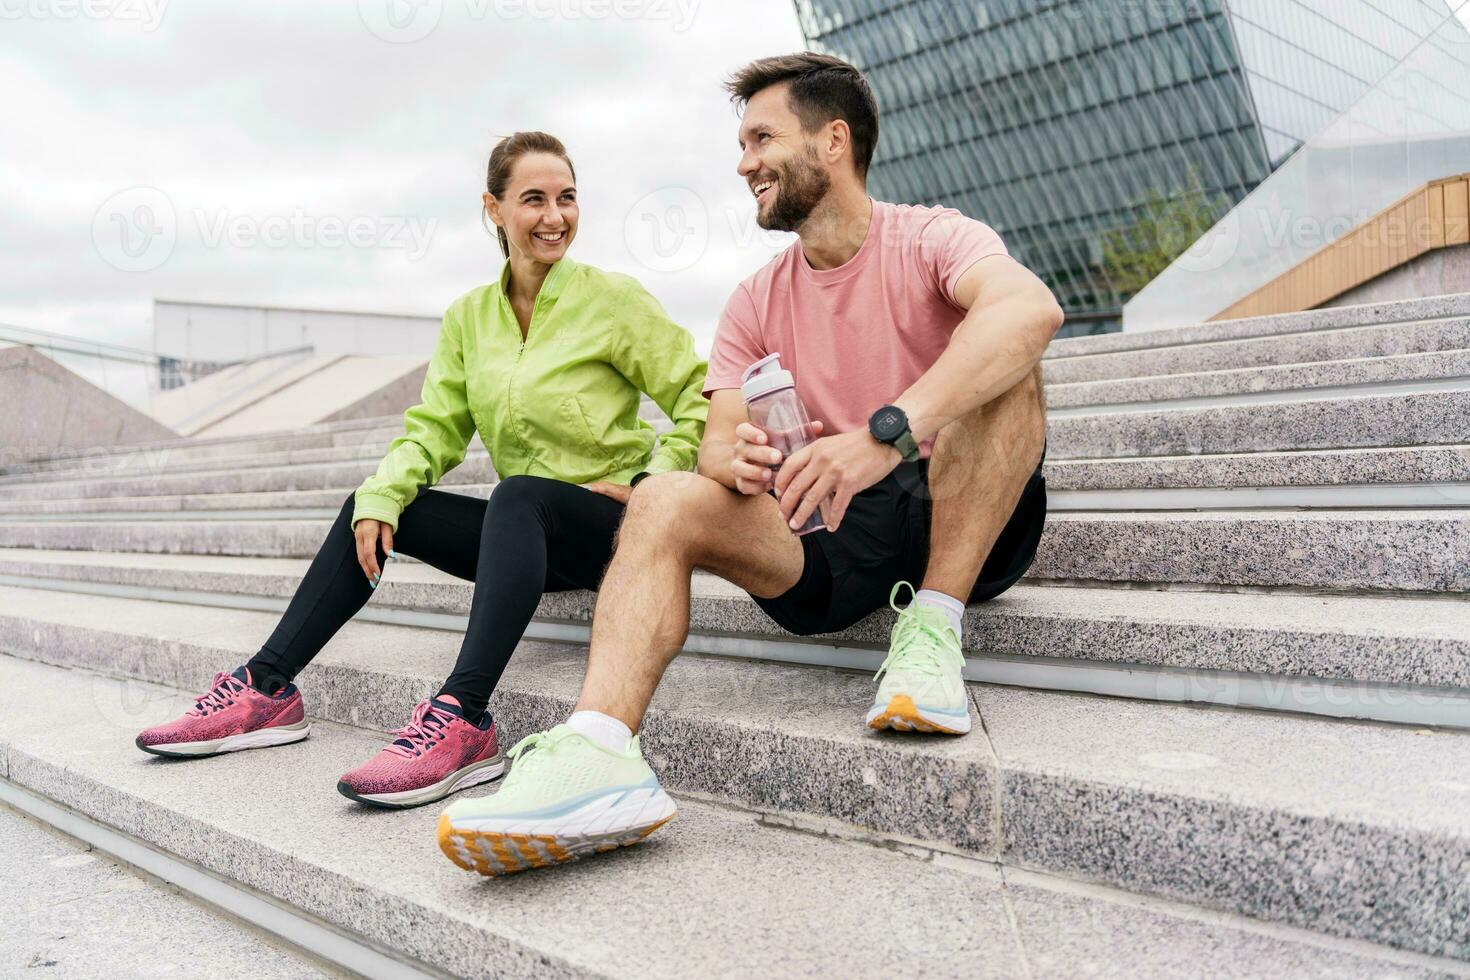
(901, 715)
(494, 854)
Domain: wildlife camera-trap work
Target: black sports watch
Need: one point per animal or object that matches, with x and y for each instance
(637, 477)
(891, 425)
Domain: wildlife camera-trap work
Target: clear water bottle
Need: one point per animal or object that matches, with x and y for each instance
(770, 395)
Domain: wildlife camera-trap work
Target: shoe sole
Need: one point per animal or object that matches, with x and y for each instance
(484, 771)
(501, 852)
(902, 715)
(259, 739)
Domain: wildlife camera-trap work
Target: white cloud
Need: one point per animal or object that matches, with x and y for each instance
(279, 115)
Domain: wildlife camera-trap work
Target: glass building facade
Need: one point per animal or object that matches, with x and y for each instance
(1053, 120)
(1412, 127)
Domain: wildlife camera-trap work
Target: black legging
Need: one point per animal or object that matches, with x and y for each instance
(533, 535)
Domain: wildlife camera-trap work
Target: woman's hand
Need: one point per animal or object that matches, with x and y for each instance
(617, 491)
(368, 532)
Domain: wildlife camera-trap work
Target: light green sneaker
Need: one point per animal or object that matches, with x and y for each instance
(923, 689)
(566, 796)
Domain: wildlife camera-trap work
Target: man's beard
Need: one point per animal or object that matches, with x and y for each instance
(800, 187)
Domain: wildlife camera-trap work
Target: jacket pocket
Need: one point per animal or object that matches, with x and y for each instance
(580, 431)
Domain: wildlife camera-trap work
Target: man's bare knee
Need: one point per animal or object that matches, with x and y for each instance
(743, 539)
(669, 511)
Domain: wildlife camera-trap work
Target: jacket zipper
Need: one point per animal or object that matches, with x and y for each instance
(510, 382)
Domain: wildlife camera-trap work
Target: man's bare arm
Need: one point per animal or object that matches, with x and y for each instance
(733, 452)
(1011, 317)
(717, 448)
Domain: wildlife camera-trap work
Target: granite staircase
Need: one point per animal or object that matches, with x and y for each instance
(1222, 727)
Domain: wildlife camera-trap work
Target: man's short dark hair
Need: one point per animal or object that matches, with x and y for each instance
(823, 88)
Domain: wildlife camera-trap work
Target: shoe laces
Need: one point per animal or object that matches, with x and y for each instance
(429, 725)
(539, 745)
(223, 692)
(918, 644)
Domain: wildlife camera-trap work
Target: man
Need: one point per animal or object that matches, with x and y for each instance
(915, 341)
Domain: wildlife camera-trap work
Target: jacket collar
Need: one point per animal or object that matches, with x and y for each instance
(556, 280)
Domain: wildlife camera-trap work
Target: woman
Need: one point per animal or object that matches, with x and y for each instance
(549, 365)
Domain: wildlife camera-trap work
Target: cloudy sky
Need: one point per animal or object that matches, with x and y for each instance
(333, 154)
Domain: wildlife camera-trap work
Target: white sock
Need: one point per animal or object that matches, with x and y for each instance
(603, 729)
(953, 608)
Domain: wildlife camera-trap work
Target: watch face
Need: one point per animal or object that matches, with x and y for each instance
(888, 423)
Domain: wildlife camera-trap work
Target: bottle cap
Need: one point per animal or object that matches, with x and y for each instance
(764, 376)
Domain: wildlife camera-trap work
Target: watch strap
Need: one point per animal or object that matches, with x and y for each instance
(907, 445)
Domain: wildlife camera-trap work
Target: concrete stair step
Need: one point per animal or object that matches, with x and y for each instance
(1366, 375)
(1406, 550)
(1381, 340)
(71, 912)
(1377, 468)
(259, 505)
(1333, 318)
(1189, 645)
(342, 475)
(1237, 811)
(151, 455)
(1335, 422)
(356, 444)
(143, 470)
(187, 456)
(1399, 550)
(378, 880)
(1431, 476)
(205, 442)
(366, 451)
(1325, 418)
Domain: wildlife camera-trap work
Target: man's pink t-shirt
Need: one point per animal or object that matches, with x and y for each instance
(855, 337)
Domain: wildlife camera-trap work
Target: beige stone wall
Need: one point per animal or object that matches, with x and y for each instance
(52, 411)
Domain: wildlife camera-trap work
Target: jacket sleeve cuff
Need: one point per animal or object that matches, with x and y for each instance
(661, 464)
(377, 507)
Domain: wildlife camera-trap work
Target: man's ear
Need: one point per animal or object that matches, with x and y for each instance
(839, 139)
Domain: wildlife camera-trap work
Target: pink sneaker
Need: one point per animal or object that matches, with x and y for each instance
(435, 754)
(230, 717)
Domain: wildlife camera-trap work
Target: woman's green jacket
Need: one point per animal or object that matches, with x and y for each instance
(563, 403)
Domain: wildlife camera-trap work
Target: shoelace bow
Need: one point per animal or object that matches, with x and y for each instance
(539, 744)
(221, 694)
(428, 725)
(918, 644)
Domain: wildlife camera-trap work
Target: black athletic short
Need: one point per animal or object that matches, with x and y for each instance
(883, 539)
